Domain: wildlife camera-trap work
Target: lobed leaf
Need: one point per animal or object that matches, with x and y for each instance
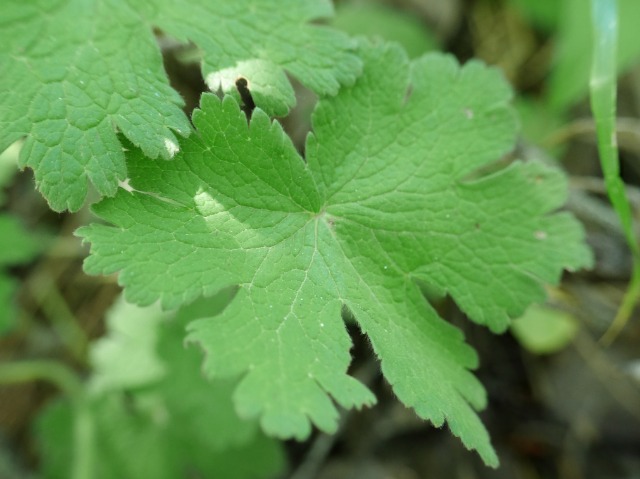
(76, 71)
(391, 195)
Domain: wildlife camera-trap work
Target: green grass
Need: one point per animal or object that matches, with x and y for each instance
(603, 105)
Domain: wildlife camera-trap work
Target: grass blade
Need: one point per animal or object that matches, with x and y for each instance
(603, 106)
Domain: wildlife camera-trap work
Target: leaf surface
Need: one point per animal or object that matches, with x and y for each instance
(17, 246)
(390, 196)
(76, 71)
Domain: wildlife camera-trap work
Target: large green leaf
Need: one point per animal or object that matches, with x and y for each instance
(75, 71)
(390, 196)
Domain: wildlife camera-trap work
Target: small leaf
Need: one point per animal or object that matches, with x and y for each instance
(544, 330)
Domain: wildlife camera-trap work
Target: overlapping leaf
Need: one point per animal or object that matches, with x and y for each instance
(74, 71)
(390, 196)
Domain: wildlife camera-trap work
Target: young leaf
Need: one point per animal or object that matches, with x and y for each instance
(74, 71)
(148, 396)
(383, 202)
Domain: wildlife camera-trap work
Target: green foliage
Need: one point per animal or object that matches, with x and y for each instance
(544, 330)
(603, 104)
(153, 414)
(389, 196)
(74, 71)
(400, 192)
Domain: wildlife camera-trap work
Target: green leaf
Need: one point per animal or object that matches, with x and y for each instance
(140, 442)
(75, 71)
(164, 370)
(258, 41)
(389, 197)
(379, 21)
(132, 339)
(172, 418)
(544, 330)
